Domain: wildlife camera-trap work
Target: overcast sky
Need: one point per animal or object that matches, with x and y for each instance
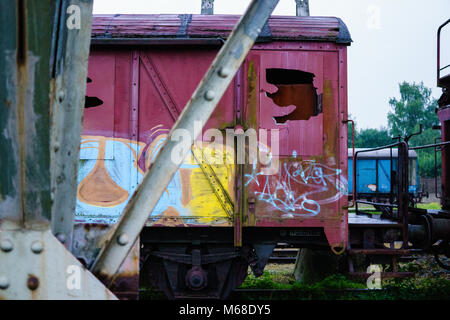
(394, 41)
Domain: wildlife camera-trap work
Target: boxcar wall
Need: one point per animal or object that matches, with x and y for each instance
(291, 91)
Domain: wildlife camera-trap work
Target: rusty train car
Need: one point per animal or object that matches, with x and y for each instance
(215, 218)
(269, 166)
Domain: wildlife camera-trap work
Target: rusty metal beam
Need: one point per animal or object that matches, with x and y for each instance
(302, 8)
(42, 59)
(198, 109)
(25, 63)
(69, 87)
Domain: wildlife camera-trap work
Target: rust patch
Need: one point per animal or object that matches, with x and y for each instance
(302, 96)
(252, 100)
(170, 218)
(32, 282)
(330, 124)
(295, 88)
(88, 226)
(186, 186)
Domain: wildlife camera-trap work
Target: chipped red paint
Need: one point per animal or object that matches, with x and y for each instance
(321, 138)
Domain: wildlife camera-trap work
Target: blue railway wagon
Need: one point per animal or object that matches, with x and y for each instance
(373, 172)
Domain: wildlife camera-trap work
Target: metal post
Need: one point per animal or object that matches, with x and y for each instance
(197, 110)
(353, 159)
(71, 63)
(403, 197)
(207, 7)
(35, 70)
(25, 64)
(302, 7)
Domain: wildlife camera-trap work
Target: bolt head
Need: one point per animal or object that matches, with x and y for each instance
(61, 95)
(37, 247)
(224, 72)
(123, 239)
(210, 95)
(32, 282)
(6, 245)
(61, 237)
(4, 282)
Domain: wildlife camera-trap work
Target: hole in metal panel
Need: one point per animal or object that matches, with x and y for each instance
(295, 88)
(90, 102)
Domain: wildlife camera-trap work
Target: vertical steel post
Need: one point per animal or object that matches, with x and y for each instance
(39, 58)
(207, 7)
(25, 51)
(403, 195)
(71, 61)
(302, 7)
(198, 110)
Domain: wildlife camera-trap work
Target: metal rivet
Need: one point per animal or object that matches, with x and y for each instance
(37, 247)
(32, 282)
(209, 95)
(4, 282)
(61, 95)
(224, 72)
(6, 245)
(61, 237)
(122, 239)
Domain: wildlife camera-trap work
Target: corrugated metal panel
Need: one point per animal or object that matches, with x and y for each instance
(156, 26)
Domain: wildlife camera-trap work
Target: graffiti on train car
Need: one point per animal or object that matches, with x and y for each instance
(299, 188)
(111, 168)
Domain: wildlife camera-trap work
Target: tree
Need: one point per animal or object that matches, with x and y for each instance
(372, 138)
(368, 138)
(415, 107)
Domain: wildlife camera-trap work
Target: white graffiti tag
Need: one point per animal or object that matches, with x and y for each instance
(292, 190)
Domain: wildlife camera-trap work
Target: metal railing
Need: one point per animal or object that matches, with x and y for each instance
(402, 182)
(437, 147)
(439, 69)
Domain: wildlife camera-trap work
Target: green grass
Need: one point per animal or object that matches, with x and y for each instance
(420, 288)
(430, 206)
(372, 210)
(431, 282)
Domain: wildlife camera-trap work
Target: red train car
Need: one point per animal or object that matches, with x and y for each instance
(216, 217)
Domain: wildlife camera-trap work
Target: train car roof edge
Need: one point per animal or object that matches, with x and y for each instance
(184, 28)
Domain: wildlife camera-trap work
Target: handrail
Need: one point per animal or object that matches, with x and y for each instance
(353, 155)
(389, 146)
(439, 52)
(435, 146)
(430, 145)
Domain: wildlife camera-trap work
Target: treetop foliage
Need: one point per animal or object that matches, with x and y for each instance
(414, 107)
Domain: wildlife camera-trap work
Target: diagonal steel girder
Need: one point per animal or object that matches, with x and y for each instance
(198, 110)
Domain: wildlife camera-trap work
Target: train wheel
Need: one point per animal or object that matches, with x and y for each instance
(208, 271)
